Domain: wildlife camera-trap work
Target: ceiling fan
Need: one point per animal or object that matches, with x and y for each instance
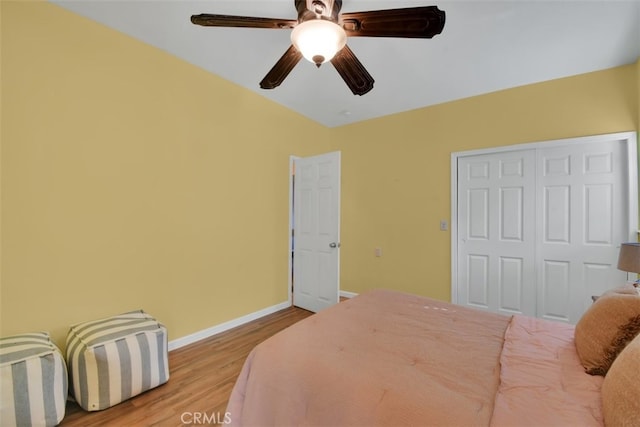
(320, 35)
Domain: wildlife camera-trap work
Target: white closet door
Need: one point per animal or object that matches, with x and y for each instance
(582, 216)
(539, 229)
(496, 252)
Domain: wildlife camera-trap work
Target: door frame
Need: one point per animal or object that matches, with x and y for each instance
(630, 141)
(292, 160)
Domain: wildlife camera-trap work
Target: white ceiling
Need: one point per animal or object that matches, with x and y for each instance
(485, 46)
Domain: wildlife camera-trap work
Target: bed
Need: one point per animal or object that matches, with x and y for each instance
(390, 358)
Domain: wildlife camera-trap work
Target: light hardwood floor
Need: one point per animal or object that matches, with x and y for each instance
(201, 378)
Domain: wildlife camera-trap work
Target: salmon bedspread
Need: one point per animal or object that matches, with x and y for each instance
(383, 358)
(542, 382)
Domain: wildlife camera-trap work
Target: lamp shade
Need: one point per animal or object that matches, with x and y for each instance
(318, 40)
(629, 258)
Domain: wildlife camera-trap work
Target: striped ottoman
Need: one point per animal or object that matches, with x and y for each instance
(33, 381)
(111, 360)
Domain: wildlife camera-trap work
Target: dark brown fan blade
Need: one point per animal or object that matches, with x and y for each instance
(352, 71)
(281, 70)
(414, 22)
(208, 20)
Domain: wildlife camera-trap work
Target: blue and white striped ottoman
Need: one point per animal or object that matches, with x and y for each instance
(33, 381)
(113, 359)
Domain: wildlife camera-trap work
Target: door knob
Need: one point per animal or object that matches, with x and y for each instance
(334, 245)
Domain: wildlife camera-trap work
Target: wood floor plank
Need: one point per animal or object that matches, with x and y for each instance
(202, 376)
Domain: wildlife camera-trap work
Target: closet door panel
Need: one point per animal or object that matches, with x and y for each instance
(496, 232)
(581, 212)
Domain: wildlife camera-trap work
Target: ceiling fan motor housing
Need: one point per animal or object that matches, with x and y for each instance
(318, 9)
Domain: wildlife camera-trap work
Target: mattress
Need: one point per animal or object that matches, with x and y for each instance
(382, 358)
(389, 358)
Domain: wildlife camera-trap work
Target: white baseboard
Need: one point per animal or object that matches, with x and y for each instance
(347, 294)
(206, 333)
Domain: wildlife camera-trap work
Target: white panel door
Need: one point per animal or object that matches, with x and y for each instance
(582, 221)
(316, 251)
(496, 200)
(539, 228)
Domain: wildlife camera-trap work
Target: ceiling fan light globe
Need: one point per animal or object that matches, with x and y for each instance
(318, 40)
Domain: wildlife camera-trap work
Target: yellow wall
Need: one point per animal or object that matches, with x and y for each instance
(1, 134)
(131, 179)
(396, 169)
